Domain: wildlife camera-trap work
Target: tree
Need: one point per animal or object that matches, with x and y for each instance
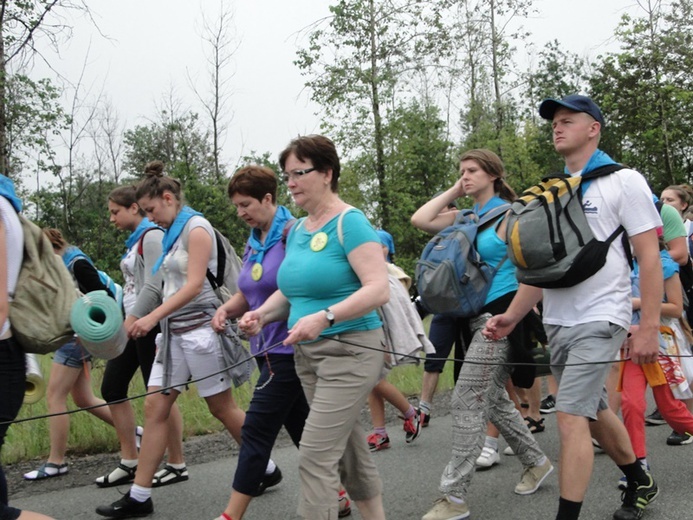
(646, 91)
(353, 68)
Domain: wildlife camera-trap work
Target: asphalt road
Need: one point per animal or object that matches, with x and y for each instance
(410, 474)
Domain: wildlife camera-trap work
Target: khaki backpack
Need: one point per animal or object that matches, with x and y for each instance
(45, 292)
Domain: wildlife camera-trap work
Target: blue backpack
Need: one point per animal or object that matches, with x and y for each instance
(451, 277)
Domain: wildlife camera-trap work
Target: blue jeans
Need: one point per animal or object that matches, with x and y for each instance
(12, 375)
(278, 400)
(72, 355)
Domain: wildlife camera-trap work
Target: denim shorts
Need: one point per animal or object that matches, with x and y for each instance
(72, 355)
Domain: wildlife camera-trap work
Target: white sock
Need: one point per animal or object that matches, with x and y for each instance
(177, 466)
(139, 493)
(271, 466)
(425, 407)
(542, 461)
(455, 500)
(491, 442)
(130, 463)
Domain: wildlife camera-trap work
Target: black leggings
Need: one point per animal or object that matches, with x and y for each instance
(12, 375)
(119, 371)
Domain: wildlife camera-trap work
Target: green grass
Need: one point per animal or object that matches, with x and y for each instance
(29, 440)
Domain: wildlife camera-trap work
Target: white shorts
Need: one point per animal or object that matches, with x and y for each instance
(194, 355)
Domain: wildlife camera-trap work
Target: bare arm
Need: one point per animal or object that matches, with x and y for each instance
(429, 218)
(235, 307)
(644, 342)
(673, 307)
(678, 250)
(275, 308)
(199, 252)
(525, 299)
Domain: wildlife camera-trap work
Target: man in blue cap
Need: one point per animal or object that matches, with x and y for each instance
(588, 323)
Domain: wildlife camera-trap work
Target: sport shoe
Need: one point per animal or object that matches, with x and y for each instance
(377, 442)
(654, 419)
(488, 457)
(270, 480)
(679, 439)
(413, 428)
(344, 505)
(127, 507)
(424, 418)
(636, 499)
(533, 477)
(445, 509)
(548, 404)
(508, 451)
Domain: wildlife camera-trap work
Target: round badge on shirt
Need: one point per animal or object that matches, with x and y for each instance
(319, 241)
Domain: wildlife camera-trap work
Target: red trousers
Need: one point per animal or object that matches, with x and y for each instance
(633, 407)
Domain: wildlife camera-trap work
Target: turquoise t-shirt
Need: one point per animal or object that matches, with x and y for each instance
(313, 279)
(492, 250)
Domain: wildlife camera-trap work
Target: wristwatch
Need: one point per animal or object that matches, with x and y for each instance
(330, 316)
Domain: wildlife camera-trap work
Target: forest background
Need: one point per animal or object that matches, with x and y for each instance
(402, 87)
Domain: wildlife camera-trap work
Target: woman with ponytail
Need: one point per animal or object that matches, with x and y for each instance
(141, 295)
(187, 347)
(480, 394)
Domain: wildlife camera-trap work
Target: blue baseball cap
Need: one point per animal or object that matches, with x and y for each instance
(574, 102)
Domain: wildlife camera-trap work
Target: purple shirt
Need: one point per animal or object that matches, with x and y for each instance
(256, 292)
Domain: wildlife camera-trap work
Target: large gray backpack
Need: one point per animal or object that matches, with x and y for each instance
(548, 236)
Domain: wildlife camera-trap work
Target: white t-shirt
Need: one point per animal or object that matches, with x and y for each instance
(14, 238)
(127, 266)
(621, 198)
(175, 265)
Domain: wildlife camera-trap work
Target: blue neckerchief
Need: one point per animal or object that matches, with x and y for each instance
(258, 249)
(72, 253)
(7, 191)
(597, 160)
(173, 232)
(492, 203)
(134, 237)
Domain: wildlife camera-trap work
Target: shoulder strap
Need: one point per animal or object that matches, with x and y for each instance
(604, 170)
(340, 225)
(218, 280)
(287, 228)
(493, 214)
(140, 244)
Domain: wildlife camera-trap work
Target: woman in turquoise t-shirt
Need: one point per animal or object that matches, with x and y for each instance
(330, 284)
(480, 393)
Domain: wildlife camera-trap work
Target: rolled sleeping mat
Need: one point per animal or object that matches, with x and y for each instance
(98, 321)
(35, 384)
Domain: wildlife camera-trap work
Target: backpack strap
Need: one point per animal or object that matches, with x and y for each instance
(493, 214)
(340, 225)
(140, 244)
(218, 280)
(287, 228)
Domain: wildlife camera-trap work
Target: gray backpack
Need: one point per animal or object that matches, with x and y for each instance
(548, 236)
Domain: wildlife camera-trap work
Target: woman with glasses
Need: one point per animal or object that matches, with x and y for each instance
(330, 283)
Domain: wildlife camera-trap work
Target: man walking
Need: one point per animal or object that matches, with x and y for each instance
(588, 322)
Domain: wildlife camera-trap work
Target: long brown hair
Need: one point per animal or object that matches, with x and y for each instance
(492, 164)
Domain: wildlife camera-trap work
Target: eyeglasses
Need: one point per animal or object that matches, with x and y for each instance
(296, 173)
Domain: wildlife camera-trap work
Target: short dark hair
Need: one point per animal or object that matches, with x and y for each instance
(254, 181)
(318, 149)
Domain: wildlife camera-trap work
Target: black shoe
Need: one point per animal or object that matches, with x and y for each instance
(127, 507)
(270, 480)
(654, 419)
(636, 499)
(548, 404)
(679, 439)
(424, 418)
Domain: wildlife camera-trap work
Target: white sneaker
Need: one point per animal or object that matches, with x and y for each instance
(488, 457)
(508, 451)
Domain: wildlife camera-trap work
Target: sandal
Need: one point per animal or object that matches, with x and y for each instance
(127, 475)
(534, 425)
(42, 473)
(169, 475)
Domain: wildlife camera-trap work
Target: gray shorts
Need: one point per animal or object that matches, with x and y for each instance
(581, 389)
